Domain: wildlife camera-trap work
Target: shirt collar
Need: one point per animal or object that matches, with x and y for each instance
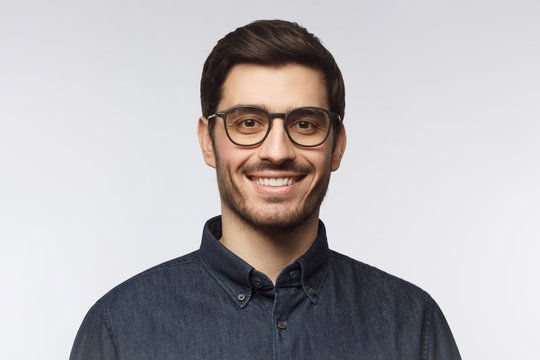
(240, 280)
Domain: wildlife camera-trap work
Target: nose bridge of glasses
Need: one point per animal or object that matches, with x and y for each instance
(272, 116)
(283, 117)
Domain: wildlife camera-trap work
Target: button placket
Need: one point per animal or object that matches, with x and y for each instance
(287, 300)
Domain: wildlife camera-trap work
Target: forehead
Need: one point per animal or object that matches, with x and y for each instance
(277, 88)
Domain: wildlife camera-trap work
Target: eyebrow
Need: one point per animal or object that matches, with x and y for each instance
(265, 108)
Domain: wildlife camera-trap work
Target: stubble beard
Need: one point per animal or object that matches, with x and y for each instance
(274, 218)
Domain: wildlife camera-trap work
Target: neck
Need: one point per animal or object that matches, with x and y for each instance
(268, 251)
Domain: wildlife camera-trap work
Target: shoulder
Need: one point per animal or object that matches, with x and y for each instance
(135, 306)
(389, 302)
(181, 263)
(157, 281)
(375, 283)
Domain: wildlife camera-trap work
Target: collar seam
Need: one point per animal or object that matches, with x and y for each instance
(228, 289)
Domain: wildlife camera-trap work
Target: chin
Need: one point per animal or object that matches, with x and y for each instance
(276, 219)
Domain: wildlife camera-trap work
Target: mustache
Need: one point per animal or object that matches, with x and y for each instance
(288, 165)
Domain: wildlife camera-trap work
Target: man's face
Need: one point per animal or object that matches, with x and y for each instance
(276, 184)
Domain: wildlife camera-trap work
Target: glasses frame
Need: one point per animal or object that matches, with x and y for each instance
(223, 114)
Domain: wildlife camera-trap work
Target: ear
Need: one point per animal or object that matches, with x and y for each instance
(339, 149)
(205, 140)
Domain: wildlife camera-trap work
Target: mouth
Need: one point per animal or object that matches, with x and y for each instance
(275, 181)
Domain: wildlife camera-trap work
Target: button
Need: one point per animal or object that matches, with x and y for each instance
(293, 273)
(282, 324)
(258, 283)
(313, 292)
(241, 297)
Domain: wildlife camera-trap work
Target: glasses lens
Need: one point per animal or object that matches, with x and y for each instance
(308, 127)
(246, 125)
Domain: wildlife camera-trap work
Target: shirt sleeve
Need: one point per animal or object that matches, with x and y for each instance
(439, 343)
(94, 340)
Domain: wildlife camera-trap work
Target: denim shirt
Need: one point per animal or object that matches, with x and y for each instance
(210, 304)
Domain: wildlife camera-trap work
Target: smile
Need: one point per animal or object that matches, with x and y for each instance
(273, 181)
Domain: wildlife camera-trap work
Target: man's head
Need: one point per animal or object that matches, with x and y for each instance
(277, 66)
(269, 42)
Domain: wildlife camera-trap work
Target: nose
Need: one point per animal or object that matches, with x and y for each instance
(277, 147)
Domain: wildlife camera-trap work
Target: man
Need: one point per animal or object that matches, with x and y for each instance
(264, 284)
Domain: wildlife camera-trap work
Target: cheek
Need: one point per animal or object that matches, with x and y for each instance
(320, 159)
(230, 157)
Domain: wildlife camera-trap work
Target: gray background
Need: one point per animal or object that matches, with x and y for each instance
(102, 177)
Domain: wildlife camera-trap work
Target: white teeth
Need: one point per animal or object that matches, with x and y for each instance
(274, 181)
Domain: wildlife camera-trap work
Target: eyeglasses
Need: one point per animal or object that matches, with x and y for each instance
(307, 126)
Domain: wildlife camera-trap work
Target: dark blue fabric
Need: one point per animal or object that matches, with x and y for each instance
(212, 305)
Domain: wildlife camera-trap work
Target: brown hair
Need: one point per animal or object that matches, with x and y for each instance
(269, 42)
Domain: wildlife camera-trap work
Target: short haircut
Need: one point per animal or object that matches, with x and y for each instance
(269, 42)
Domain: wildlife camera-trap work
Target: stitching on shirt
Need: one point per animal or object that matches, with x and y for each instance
(223, 284)
(108, 326)
(164, 267)
(427, 328)
(323, 280)
(275, 331)
(320, 284)
(149, 272)
(379, 272)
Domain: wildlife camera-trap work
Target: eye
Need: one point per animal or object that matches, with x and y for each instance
(303, 124)
(248, 123)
